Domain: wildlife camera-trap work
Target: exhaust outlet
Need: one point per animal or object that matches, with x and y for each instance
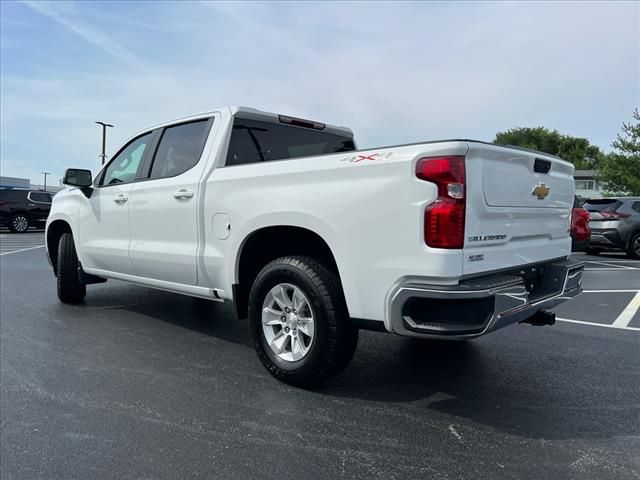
(541, 318)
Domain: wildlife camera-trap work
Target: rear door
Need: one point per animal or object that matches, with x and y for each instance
(519, 206)
(163, 213)
(40, 203)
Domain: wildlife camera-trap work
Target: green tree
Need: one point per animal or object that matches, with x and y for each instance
(573, 149)
(621, 169)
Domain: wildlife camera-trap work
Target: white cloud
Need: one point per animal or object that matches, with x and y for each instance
(87, 32)
(393, 72)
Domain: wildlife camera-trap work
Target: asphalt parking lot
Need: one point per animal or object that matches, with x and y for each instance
(138, 383)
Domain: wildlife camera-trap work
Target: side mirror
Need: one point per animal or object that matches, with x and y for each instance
(78, 177)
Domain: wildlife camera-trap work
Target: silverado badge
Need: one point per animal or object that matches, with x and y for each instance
(541, 191)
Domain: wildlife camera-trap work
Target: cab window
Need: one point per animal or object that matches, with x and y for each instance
(125, 165)
(180, 149)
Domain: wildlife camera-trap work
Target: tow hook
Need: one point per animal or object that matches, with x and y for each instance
(541, 318)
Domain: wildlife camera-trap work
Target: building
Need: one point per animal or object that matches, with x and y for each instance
(587, 184)
(14, 182)
(17, 182)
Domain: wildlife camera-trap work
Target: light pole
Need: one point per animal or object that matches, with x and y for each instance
(45, 179)
(104, 139)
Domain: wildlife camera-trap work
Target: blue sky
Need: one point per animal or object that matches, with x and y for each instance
(393, 72)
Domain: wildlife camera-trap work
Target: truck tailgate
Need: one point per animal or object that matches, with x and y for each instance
(518, 208)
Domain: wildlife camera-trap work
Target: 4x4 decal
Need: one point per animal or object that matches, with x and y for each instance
(373, 156)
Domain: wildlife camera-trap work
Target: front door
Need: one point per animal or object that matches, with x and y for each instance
(104, 218)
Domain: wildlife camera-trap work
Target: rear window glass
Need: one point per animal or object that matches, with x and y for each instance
(605, 205)
(13, 195)
(255, 141)
(180, 149)
(40, 197)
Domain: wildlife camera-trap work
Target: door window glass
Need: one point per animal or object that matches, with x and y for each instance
(124, 166)
(179, 149)
(41, 197)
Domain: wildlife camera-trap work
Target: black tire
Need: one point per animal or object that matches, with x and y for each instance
(19, 223)
(593, 251)
(335, 338)
(633, 249)
(70, 290)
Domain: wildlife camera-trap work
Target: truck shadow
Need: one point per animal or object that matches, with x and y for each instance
(513, 381)
(199, 315)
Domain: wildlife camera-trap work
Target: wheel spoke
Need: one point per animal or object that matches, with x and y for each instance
(280, 342)
(280, 296)
(271, 316)
(305, 325)
(297, 347)
(299, 300)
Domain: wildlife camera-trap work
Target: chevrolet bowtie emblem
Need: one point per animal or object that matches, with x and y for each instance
(541, 191)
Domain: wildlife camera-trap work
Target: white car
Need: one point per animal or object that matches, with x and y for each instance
(313, 239)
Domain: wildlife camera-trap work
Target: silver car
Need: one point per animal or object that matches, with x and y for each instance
(615, 225)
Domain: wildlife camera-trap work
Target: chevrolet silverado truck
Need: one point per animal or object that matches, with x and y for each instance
(313, 239)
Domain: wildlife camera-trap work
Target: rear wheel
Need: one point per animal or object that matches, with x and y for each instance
(70, 290)
(299, 322)
(633, 250)
(19, 223)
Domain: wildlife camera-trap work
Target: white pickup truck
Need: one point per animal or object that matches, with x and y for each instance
(313, 239)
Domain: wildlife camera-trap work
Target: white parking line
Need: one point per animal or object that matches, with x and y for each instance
(611, 265)
(22, 250)
(611, 291)
(605, 325)
(627, 314)
(620, 323)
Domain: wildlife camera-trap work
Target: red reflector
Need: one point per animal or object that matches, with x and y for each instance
(444, 224)
(444, 219)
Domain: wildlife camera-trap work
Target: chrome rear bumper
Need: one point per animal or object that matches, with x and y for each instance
(478, 306)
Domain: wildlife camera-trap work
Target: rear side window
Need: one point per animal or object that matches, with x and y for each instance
(41, 197)
(636, 206)
(12, 195)
(255, 141)
(180, 148)
(604, 205)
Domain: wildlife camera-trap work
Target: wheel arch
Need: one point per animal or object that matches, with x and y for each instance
(52, 238)
(268, 243)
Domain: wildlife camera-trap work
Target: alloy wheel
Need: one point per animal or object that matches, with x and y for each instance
(20, 223)
(287, 322)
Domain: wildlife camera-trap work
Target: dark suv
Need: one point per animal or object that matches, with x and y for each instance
(615, 224)
(21, 208)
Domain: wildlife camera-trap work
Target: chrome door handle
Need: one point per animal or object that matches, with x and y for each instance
(182, 194)
(121, 198)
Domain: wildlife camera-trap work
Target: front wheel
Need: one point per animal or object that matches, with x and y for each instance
(70, 290)
(299, 322)
(19, 223)
(633, 250)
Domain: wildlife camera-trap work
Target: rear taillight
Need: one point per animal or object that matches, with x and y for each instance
(444, 219)
(582, 213)
(614, 215)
